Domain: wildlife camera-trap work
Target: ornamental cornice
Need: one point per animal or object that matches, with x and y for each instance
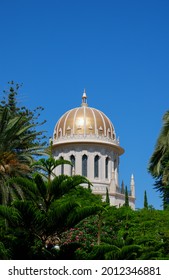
(97, 139)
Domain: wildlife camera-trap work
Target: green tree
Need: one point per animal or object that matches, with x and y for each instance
(19, 144)
(145, 200)
(126, 203)
(107, 196)
(10, 100)
(122, 187)
(48, 209)
(47, 166)
(159, 161)
(125, 234)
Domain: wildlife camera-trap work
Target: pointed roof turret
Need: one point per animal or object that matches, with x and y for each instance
(84, 99)
(132, 185)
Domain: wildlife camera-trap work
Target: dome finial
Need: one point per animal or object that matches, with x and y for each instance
(84, 98)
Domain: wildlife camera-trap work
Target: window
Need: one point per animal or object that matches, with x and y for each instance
(72, 159)
(62, 166)
(106, 167)
(96, 166)
(84, 165)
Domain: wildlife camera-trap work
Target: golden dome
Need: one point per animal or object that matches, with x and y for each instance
(84, 123)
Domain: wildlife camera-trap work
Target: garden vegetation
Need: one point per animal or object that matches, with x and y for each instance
(44, 216)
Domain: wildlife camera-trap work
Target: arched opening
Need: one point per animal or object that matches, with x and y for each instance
(96, 166)
(72, 159)
(106, 167)
(62, 166)
(84, 165)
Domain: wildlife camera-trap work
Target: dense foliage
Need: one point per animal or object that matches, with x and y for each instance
(43, 216)
(159, 161)
(21, 141)
(126, 234)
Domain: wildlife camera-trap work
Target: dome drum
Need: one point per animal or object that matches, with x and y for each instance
(91, 139)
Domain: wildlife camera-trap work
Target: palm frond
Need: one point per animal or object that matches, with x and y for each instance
(11, 214)
(27, 186)
(63, 184)
(41, 186)
(59, 211)
(104, 251)
(79, 213)
(32, 218)
(4, 253)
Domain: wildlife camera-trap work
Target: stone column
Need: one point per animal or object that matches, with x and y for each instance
(78, 164)
(90, 170)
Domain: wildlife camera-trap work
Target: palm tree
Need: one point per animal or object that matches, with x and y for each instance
(17, 148)
(20, 139)
(50, 208)
(46, 166)
(159, 161)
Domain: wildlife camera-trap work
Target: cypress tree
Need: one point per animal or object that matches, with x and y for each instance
(122, 188)
(107, 196)
(126, 203)
(145, 200)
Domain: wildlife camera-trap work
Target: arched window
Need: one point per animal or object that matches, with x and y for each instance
(62, 166)
(96, 166)
(106, 167)
(84, 165)
(72, 159)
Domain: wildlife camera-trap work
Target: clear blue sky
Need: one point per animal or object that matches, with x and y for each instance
(117, 50)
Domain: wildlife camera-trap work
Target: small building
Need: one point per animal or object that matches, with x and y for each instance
(86, 137)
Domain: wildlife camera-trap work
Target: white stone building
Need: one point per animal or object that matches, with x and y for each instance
(87, 138)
